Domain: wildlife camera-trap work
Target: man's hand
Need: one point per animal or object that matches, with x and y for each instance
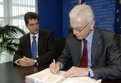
(25, 62)
(76, 71)
(55, 67)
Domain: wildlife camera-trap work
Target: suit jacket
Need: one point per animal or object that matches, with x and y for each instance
(105, 55)
(46, 47)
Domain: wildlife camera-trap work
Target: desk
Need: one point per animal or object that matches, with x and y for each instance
(9, 73)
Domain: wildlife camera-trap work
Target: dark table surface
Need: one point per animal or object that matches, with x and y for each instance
(10, 73)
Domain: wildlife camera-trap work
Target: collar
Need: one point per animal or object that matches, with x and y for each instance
(89, 37)
(31, 35)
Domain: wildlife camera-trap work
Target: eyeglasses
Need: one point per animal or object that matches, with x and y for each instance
(79, 29)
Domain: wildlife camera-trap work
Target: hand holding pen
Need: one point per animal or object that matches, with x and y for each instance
(54, 67)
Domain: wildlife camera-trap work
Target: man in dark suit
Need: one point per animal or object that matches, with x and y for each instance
(104, 58)
(45, 44)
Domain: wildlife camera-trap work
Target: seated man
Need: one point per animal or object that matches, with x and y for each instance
(94, 52)
(39, 51)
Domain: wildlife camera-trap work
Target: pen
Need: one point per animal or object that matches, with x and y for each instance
(54, 63)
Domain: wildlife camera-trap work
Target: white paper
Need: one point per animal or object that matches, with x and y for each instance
(81, 80)
(46, 76)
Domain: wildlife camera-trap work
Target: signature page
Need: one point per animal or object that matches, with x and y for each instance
(45, 76)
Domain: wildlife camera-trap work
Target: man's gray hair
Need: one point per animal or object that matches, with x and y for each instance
(82, 8)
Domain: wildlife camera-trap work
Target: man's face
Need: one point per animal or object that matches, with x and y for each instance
(33, 26)
(80, 27)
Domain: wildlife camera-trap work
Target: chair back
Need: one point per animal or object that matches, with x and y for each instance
(60, 43)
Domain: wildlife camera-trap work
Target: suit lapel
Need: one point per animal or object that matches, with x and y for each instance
(96, 42)
(40, 41)
(28, 44)
(78, 52)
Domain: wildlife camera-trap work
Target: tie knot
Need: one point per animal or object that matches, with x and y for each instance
(84, 40)
(34, 37)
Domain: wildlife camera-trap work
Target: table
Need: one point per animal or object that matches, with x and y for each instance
(10, 73)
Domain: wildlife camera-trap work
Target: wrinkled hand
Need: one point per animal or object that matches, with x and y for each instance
(76, 71)
(26, 62)
(54, 68)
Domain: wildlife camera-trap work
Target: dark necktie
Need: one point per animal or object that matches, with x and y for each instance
(34, 48)
(84, 61)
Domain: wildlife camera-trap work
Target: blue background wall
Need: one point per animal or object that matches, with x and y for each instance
(67, 5)
(50, 15)
(104, 11)
(53, 14)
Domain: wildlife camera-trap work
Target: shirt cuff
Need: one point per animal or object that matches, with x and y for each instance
(91, 72)
(61, 66)
(16, 62)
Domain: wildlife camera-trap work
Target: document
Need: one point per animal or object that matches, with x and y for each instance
(45, 76)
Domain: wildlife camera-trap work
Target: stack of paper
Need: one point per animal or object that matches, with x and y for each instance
(46, 76)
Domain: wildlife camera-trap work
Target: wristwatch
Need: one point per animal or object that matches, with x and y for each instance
(35, 62)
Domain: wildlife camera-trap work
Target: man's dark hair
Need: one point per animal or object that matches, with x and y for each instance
(30, 15)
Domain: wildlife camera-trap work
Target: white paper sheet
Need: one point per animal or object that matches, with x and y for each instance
(46, 76)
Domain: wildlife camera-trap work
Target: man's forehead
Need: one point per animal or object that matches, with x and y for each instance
(32, 20)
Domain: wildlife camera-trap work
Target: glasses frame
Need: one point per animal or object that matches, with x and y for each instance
(78, 28)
